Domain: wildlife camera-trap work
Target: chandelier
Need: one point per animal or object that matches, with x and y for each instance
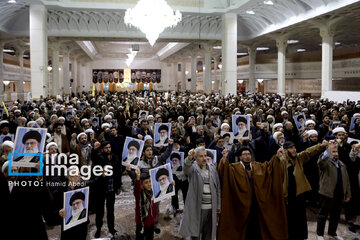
(152, 17)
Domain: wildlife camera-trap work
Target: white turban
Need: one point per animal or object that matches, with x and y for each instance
(61, 118)
(8, 143)
(276, 135)
(338, 129)
(107, 117)
(89, 130)
(51, 144)
(309, 122)
(277, 125)
(284, 112)
(84, 120)
(223, 125)
(312, 132)
(105, 125)
(30, 123)
(80, 134)
(147, 137)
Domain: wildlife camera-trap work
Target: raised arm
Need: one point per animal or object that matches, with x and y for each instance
(165, 155)
(188, 164)
(307, 154)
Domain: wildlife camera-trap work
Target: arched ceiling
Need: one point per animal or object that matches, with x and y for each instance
(258, 21)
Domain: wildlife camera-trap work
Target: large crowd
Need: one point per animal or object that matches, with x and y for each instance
(258, 188)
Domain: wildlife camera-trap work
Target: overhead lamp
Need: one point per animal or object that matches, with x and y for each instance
(242, 54)
(217, 47)
(23, 82)
(8, 50)
(6, 82)
(152, 17)
(301, 50)
(241, 81)
(212, 81)
(337, 43)
(268, 2)
(219, 66)
(59, 68)
(260, 80)
(262, 48)
(251, 12)
(292, 41)
(11, 1)
(186, 72)
(49, 68)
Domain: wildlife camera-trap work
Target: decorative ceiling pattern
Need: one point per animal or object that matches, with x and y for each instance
(111, 24)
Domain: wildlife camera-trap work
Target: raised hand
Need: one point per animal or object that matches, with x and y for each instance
(137, 171)
(280, 152)
(191, 154)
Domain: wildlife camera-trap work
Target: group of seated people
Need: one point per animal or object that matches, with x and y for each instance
(287, 154)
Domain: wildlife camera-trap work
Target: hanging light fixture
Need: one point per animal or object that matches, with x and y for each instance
(152, 17)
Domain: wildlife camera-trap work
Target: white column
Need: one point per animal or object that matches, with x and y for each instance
(66, 74)
(1, 73)
(19, 83)
(74, 76)
(55, 69)
(281, 43)
(229, 53)
(327, 35)
(183, 75)
(38, 49)
(217, 82)
(252, 80)
(207, 71)
(174, 76)
(193, 73)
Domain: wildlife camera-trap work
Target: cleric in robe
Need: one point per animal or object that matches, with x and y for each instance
(162, 135)
(31, 141)
(132, 156)
(162, 176)
(77, 207)
(242, 128)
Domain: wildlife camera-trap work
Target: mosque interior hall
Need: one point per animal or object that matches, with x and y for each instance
(60, 47)
(250, 107)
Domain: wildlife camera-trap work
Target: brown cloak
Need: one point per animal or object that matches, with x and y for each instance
(236, 200)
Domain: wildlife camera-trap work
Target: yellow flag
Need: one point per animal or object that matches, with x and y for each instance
(7, 112)
(93, 90)
(127, 109)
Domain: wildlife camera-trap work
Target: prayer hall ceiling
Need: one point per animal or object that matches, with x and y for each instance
(259, 22)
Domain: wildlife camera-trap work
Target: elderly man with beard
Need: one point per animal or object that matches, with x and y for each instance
(162, 177)
(61, 139)
(163, 131)
(278, 142)
(77, 206)
(106, 187)
(31, 140)
(203, 202)
(334, 190)
(82, 149)
(295, 184)
(133, 149)
(241, 122)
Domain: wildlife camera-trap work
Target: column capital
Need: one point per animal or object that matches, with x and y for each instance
(207, 48)
(326, 31)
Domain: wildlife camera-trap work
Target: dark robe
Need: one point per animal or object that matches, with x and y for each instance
(236, 200)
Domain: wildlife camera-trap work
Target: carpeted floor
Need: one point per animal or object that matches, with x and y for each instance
(125, 223)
